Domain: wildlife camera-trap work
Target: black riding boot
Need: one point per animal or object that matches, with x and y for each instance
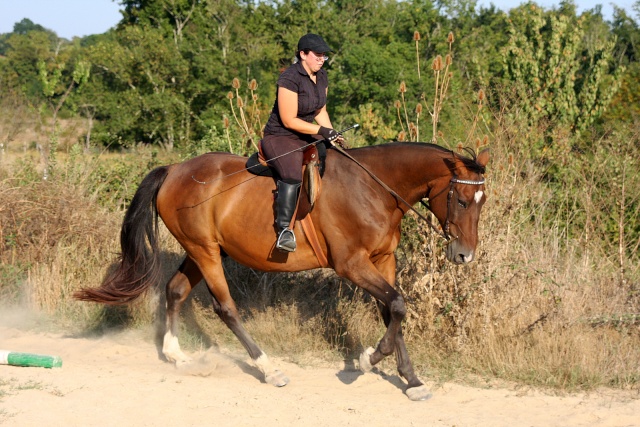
(286, 200)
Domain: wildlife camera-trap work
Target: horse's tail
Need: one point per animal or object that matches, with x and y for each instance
(140, 259)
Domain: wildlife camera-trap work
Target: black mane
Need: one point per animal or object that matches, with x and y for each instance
(470, 162)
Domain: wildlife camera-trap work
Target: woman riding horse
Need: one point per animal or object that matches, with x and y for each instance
(301, 99)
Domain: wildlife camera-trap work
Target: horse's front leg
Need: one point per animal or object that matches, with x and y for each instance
(395, 313)
(416, 390)
(178, 288)
(363, 273)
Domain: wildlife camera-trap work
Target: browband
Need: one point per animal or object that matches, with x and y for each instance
(466, 181)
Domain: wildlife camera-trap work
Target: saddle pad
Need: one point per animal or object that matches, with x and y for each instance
(256, 167)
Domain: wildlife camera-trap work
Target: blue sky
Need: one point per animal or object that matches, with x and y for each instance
(69, 18)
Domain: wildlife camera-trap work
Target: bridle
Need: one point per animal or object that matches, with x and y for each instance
(454, 180)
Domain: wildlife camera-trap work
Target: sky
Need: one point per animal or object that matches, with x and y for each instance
(68, 18)
(71, 18)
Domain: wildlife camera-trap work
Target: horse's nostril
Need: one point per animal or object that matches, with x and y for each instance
(464, 258)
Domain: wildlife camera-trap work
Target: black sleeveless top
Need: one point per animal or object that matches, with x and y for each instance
(311, 97)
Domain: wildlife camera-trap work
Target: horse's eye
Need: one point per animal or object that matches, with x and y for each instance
(462, 204)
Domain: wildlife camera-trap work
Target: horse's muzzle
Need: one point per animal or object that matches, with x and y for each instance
(458, 254)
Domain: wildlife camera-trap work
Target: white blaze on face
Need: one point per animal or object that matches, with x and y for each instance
(478, 196)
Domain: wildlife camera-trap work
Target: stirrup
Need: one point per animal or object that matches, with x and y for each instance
(286, 240)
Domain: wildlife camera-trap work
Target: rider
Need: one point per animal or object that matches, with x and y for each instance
(301, 99)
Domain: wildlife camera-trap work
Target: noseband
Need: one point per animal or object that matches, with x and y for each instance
(455, 180)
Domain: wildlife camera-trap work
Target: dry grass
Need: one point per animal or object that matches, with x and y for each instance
(529, 308)
(538, 307)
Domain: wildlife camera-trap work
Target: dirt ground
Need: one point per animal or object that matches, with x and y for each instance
(121, 380)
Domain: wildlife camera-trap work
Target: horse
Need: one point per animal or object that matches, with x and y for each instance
(214, 207)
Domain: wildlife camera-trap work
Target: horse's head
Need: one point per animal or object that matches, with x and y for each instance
(456, 200)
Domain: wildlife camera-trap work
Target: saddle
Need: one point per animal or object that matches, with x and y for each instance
(312, 171)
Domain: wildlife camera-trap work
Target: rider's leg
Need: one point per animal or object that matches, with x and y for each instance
(284, 154)
(286, 201)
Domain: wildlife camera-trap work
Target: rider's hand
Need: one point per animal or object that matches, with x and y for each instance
(330, 135)
(342, 142)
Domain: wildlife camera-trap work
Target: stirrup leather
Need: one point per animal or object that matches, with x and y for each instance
(286, 240)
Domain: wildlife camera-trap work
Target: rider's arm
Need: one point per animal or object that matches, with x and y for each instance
(288, 109)
(322, 118)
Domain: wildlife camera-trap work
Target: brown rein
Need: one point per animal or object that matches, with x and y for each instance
(454, 180)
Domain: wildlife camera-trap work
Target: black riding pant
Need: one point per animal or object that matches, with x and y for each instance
(284, 153)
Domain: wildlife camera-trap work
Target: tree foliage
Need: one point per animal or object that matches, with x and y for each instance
(562, 74)
(163, 74)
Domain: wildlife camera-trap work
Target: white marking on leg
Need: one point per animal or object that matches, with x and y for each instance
(365, 360)
(272, 375)
(478, 196)
(171, 349)
(264, 364)
(418, 393)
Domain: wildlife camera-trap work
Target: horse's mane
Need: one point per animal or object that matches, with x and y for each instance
(470, 162)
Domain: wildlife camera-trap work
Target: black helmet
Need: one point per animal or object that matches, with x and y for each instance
(314, 43)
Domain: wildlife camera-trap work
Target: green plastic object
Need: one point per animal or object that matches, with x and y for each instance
(29, 360)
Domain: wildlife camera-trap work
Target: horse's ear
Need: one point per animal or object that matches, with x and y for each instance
(483, 157)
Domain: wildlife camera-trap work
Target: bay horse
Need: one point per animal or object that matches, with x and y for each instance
(214, 208)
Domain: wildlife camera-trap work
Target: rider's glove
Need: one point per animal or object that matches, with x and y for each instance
(328, 134)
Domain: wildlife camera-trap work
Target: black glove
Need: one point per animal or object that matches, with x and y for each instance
(329, 135)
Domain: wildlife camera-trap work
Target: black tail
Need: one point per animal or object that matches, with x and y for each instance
(139, 262)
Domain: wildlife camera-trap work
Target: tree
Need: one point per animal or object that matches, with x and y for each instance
(143, 73)
(167, 69)
(26, 25)
(561, 76)
(23, 54)
(625, 105)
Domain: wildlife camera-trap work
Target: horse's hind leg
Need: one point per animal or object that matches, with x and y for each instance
(225, 308)
(178, 288)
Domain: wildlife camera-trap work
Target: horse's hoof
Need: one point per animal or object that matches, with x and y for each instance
(365, 360)
(178, 359)
(277, 378)
(418, 393)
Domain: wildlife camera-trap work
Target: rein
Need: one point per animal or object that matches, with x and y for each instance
(454, 180)
(272, 159)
